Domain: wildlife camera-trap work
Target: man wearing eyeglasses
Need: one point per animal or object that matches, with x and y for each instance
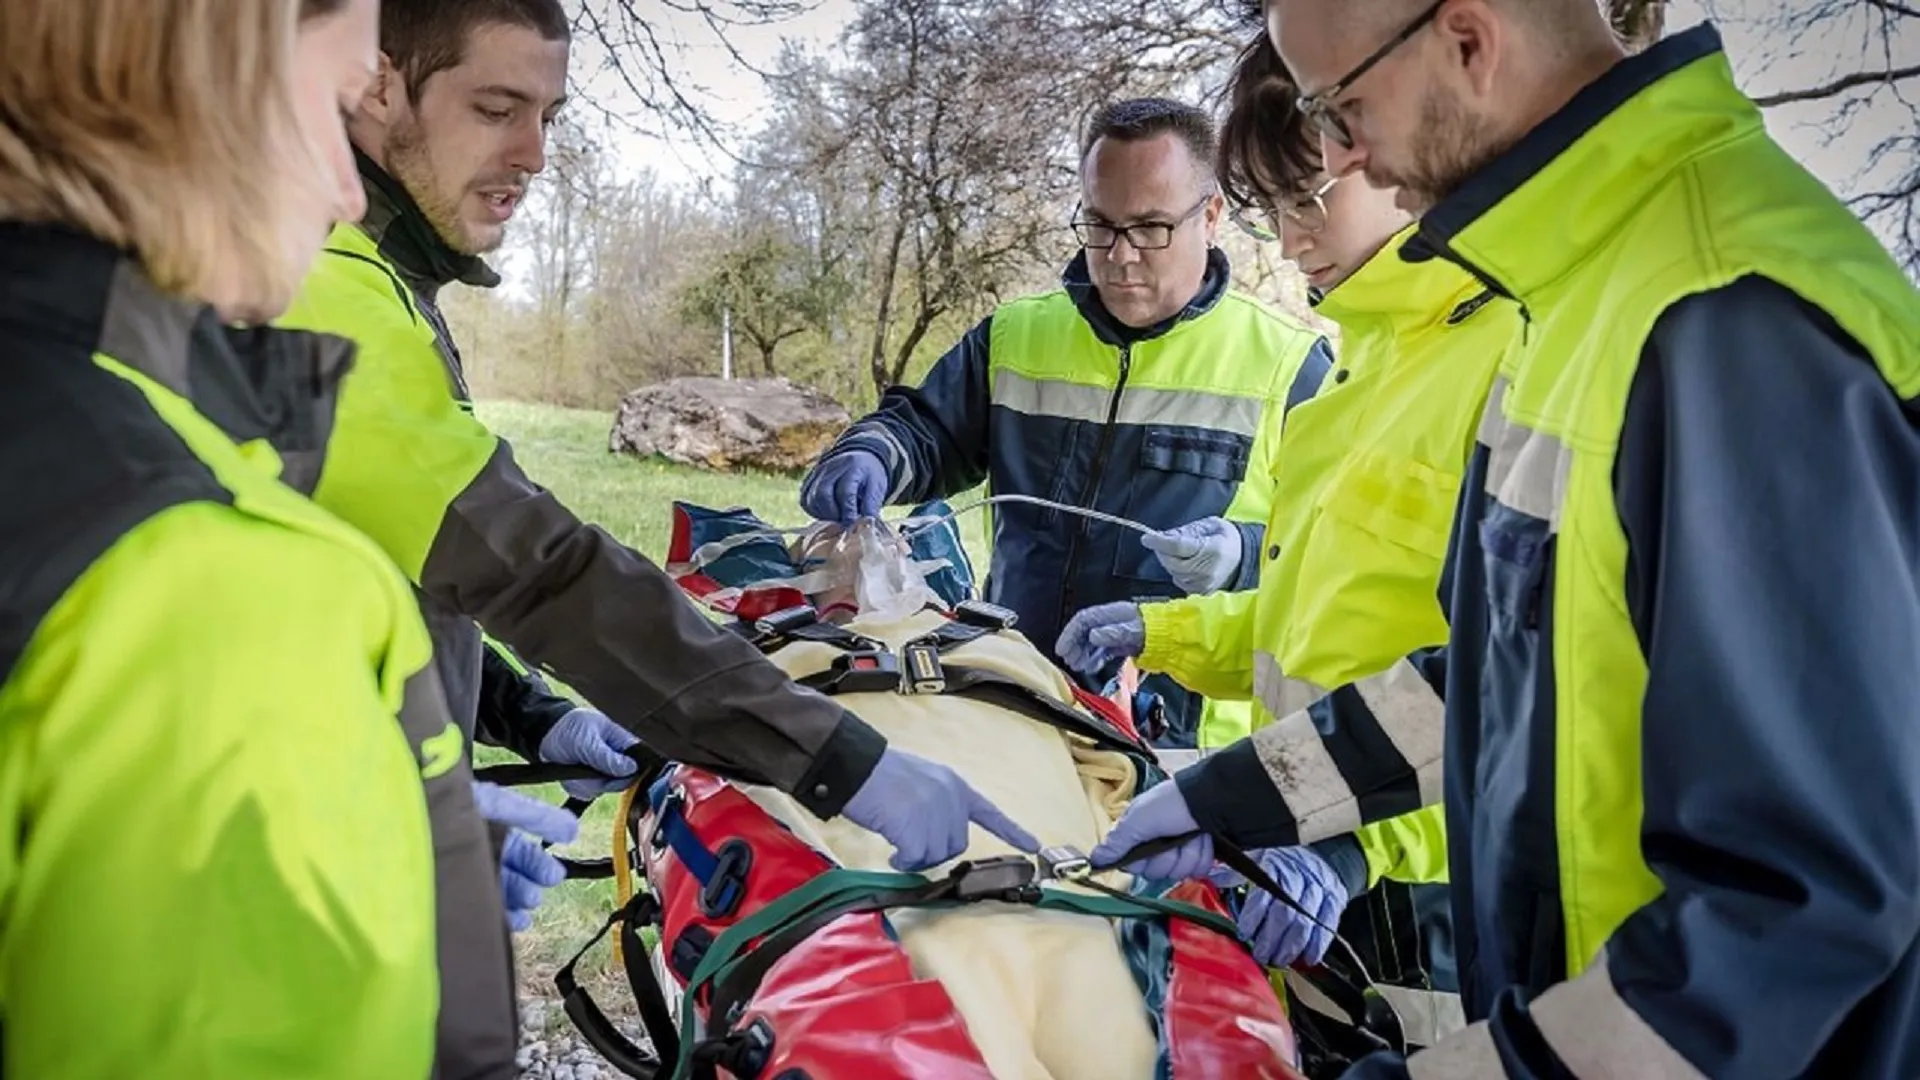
(1679, 746)
(1144, 388)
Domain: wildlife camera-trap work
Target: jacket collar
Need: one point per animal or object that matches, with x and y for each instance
(399, 228)
(1077, 278)
(1563, 189)
(1393, 296)
(253, 383)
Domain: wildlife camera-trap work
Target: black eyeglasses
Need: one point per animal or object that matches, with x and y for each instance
(1319, 107)
(1147, 236)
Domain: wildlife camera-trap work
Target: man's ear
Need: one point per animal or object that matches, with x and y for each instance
(1210, 217)
(387, 96)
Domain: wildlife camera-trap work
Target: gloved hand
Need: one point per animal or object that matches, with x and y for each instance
(1278, 934)
(587, 737)
(923, 808)
(1201, 556)
(1159, 813)
(525, 869)
(1099, 635)
(846, 487)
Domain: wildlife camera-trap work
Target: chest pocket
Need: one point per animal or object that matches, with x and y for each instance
(1367, 584)
(1181, 474)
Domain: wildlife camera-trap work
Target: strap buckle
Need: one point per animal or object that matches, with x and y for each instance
(786, 621)
(868, 671)
(1065, 863)
(983, 614)
(1002, 877)
(924, 673)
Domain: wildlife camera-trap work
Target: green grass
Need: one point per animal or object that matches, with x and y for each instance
(565, 450)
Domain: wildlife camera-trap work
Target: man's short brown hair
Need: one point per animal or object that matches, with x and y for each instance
(425, 37)
(1140, 119)
(1268, 152)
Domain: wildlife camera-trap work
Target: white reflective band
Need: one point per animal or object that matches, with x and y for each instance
(1280, 695)
(1138, 405)
(1526, 470)
(1599, 1036)
(1426, 1016)
(1414, 717)
(1469, 1055)
(1308, 781)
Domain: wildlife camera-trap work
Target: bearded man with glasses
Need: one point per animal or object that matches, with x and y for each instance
(1677, 749)
(1145, 387)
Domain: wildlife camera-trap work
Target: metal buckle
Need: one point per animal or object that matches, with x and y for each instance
(1002, 877)
(1065, 864)
(870, 671)
(981, 613)
(924, 674)
(786, 620)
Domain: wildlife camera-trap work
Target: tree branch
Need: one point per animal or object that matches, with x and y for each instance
(1838, 86)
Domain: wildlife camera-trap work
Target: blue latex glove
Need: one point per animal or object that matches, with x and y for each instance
(1201, 556)
(586, 737)
(526, 870)
(1159, 813)
(1278, 934)
(1100, 635)
(923, 810)
(846, 487)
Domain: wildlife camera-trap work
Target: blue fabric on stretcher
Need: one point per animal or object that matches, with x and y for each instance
(766, 559)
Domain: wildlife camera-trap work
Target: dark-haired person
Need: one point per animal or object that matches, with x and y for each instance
(1145, 387)
(1683, 596)
(1361, 511)
(220, 789)
(449, 136)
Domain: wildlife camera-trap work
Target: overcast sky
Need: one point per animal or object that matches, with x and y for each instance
(735, 96)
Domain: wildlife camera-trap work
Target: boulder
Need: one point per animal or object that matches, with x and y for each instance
(771, 424)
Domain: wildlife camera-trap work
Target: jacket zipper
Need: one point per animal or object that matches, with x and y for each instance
(1090, 492)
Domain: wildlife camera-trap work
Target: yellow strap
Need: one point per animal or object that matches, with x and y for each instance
(622, 869)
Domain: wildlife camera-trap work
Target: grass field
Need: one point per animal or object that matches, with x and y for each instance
(566, 451)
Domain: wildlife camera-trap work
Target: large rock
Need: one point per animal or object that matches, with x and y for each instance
(771, 424)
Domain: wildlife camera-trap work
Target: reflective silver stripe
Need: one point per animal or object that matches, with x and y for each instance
(1600, 1037)
(1281, 695)
(1426, 1016)
(1139, 405)
(1414, 717)
(1469, 1055)
(1308, 781)
(1526, 469)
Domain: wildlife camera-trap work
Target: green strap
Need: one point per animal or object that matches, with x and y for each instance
(848, 888)
(828, 888)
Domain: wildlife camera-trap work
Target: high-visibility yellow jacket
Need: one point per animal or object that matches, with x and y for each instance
(216, 713)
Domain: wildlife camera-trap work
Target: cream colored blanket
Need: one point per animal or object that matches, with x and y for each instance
(1045, 995)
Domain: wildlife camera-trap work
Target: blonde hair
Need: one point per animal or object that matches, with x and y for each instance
(158, 126)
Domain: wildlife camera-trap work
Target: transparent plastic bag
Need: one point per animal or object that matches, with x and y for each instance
(865, 569)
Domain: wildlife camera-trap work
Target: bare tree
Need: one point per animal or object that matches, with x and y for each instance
(1853, 67)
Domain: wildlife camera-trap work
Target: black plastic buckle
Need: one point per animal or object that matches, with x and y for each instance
(1002, 877)
(980, 613)
(924, 673)
(870, 671)
(786, 620)
(720, 897)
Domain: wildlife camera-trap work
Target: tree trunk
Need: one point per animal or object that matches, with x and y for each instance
(877, 356)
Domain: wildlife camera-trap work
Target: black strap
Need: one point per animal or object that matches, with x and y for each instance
(600, 1033)
(651, 765)
(996, 689)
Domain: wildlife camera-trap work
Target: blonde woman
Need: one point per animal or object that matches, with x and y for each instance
(217, 857)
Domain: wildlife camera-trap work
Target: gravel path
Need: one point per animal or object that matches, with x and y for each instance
(550, 1048)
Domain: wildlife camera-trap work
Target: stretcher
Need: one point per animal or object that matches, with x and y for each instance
(786, 947)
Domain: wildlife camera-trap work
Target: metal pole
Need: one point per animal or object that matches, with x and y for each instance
(726, 343)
